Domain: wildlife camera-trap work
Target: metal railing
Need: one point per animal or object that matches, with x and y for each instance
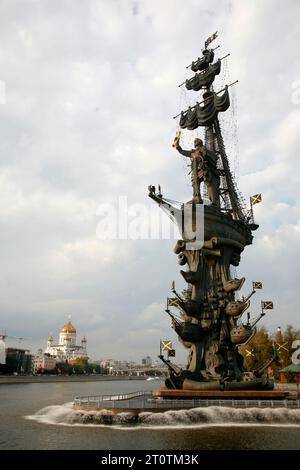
(106, 398)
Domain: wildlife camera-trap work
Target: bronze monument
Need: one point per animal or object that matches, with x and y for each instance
(208, 315)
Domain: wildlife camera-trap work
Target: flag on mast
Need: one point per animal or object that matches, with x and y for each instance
(166, 345)
(267, 305)
(211, 39)
(173, 302)
(256, 199)
(257, 285)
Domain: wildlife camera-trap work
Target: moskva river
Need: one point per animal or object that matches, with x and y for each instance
(40, 416)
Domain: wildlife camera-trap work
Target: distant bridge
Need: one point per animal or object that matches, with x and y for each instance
(140, 371)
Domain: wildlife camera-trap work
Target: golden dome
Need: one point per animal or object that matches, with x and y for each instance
(68, 328)
(50, 338)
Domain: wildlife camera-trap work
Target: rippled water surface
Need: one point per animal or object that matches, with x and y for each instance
(40, 416)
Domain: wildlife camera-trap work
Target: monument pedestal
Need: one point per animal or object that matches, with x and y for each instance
(220, 395)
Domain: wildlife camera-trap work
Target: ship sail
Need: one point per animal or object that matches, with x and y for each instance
(203, 62)
(205, 78)
(205, 115)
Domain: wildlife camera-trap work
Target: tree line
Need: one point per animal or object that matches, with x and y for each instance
(265, 345)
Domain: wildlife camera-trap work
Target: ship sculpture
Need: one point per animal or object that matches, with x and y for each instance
(208, 313)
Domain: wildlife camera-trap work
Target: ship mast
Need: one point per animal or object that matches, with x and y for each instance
(206, 70)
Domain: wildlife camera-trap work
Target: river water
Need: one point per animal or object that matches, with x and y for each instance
(39, 416)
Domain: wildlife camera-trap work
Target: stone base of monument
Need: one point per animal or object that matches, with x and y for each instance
(163, 399)
(221, 395)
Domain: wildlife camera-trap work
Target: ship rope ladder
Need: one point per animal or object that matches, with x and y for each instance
(228, 182)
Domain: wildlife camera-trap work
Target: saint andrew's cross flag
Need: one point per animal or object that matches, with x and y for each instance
(257, 285)
(166, 345)
(256, 199)
(173, 302)
(267, 305)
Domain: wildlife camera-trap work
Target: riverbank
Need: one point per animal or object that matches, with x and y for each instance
(22, 379)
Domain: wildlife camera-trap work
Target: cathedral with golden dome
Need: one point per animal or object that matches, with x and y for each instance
(67, 349)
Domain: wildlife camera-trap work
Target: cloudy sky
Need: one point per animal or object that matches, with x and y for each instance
(90, 91)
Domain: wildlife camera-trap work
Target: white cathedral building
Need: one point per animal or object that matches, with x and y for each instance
(67, 348)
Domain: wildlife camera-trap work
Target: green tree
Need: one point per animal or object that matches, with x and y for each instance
(258, 351)
(62, 368)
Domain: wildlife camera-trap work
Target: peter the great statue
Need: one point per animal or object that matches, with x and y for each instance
(208, 315)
